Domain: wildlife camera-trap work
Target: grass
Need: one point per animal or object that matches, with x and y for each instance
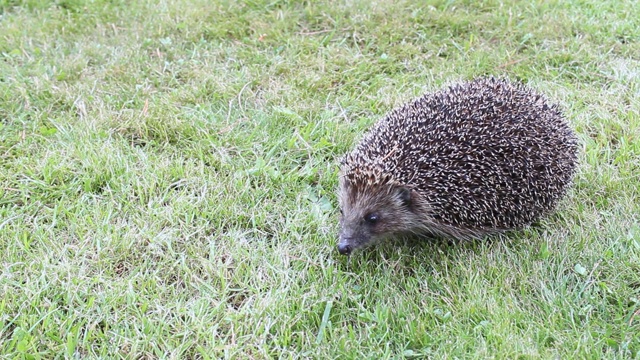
(168, 174)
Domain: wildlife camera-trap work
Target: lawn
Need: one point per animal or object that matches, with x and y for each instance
(168, 172)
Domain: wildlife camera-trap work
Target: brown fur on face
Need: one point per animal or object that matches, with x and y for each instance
(371, 211)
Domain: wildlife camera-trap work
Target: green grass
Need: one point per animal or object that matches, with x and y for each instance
(168, 174)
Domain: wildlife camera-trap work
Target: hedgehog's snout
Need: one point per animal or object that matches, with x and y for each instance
(344, 248)
(347, 243)
(353, 239)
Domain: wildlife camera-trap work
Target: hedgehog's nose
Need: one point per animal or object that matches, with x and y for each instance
(344, 248)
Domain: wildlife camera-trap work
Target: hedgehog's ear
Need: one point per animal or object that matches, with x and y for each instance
(404, 194)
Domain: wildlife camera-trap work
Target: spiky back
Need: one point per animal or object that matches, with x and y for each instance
(484, 155)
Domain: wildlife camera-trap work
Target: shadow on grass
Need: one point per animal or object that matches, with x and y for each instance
(417, 254)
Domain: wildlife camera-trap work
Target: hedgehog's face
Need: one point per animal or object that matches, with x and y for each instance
(369, 213)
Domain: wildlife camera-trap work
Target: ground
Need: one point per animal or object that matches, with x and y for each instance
(168, 172)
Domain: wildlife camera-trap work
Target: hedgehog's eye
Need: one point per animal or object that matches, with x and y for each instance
(371, 218)
(341, 212)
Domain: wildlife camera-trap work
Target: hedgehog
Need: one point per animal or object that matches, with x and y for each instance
(474, 159)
